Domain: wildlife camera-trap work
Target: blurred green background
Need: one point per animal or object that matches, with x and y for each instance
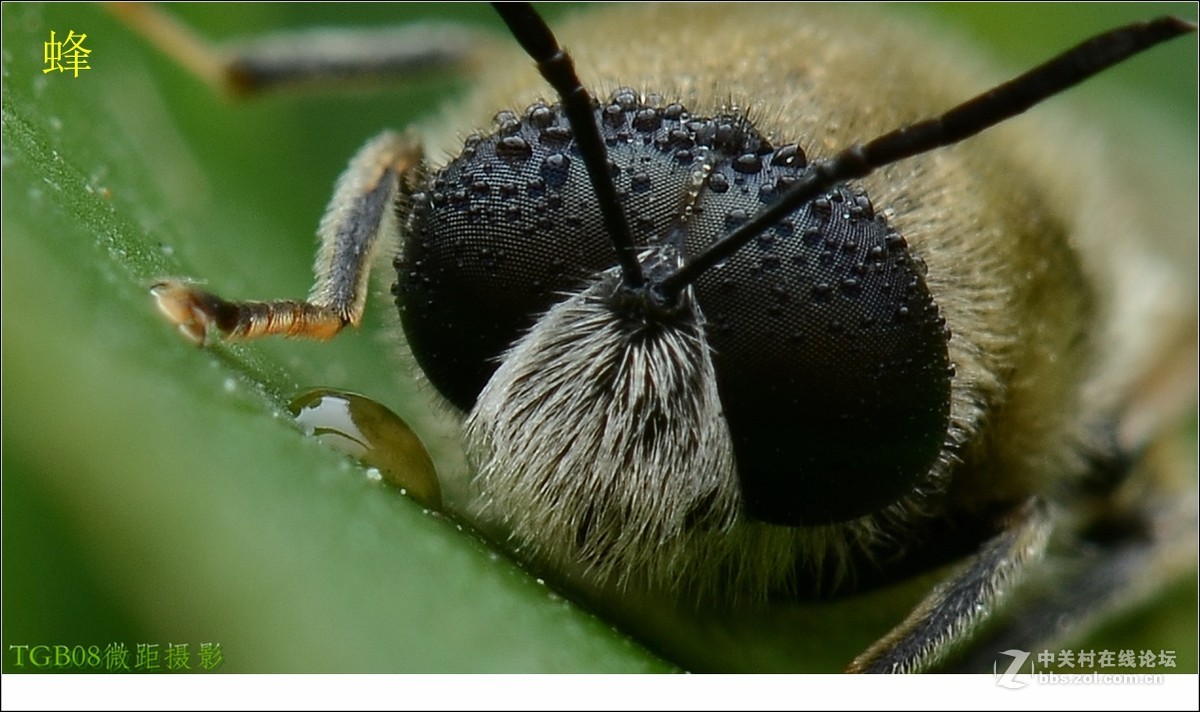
(155, 493)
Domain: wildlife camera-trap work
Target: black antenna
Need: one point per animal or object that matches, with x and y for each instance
(965, 120)
(556, 66)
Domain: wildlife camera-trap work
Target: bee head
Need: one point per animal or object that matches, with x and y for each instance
(829, 354)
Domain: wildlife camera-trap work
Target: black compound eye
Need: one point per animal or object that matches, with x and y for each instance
(493, 240)
(830, 355)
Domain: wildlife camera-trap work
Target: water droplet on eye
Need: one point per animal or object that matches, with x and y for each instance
(555, 170)
(747, 163)
(647, 120)
(513, 147)
(540, 116)
(372, 434)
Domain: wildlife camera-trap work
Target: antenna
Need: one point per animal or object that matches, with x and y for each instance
(963, 121)
(556, 66)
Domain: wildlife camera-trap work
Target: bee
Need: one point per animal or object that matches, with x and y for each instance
(743, 326)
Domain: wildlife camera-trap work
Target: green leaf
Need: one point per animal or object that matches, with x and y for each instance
(157, 493)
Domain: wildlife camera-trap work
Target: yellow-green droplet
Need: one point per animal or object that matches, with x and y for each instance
(372, 434)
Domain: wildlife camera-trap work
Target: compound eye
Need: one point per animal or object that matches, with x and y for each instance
(831, 357)
(488, 242)
(492, 240)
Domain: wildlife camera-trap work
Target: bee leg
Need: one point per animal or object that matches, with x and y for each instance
(313, 58)
(361, 209)
(951, 611)
(1142, 539)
